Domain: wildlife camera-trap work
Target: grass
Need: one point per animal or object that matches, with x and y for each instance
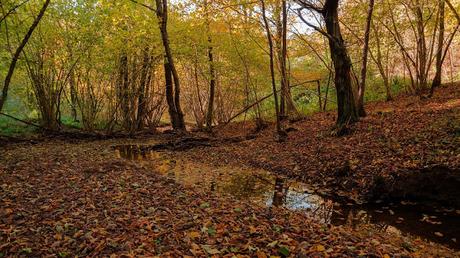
(12, 128)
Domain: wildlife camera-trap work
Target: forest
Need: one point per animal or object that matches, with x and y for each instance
(230, 128)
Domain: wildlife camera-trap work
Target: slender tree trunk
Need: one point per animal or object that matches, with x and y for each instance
(329, 77)
(281, 133)
(123, 86)
(171, 75)
(278, 45)
(73, 96)
(18, 52)
(362, 83)
(439, 53)
(141, 101)
(200, 118)
(421, 48)
(286, 89)
(170, 95)
(347, 112)
(212, 73)
(287, 107)
(320, 100)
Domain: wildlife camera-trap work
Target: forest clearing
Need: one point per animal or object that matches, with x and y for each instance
(93, 197)
(229, 128)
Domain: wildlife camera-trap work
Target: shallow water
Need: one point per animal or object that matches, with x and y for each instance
(436, 224)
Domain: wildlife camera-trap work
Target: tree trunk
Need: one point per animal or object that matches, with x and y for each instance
(362, 83)
(281, 133)
(18, 52)
(439, 54)
(278, 45)
(287, 107)
(212, 73)
(171, 75)
(342, 64)
(378, 61)
(141, 101)
(326, 95)
(421, 49)
(320, 101)
(73, 96)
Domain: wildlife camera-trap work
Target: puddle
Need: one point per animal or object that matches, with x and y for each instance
(432, 223)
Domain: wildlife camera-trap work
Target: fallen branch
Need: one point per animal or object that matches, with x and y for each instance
(22, 121)
(262, 99)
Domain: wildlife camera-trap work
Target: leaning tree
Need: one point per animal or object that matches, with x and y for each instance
(347, 111)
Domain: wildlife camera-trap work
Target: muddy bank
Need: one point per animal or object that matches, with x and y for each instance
(437, 184)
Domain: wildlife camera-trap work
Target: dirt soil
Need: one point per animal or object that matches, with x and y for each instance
(61, 199)
(405, 149)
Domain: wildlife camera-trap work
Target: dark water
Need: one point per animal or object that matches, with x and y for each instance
(437, 224)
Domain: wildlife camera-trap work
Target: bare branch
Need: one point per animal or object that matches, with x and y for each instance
(12, 10)
(311, 6)
(318, 29)
(144, 5)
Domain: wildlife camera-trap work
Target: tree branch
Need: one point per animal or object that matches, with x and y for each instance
(318, 29)
(310, 6)
(144, 5)
(12, 10)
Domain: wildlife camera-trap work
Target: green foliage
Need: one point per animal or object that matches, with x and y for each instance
(9, 127)
(88, 38)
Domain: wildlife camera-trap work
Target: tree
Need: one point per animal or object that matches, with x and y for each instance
(443, 47)
(437, 78)
(171, 75)
(287, 107)
(18, 52)
(212, 71)
(346, 107)
(362, 83)
(280, 132)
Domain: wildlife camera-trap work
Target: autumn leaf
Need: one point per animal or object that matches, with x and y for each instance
(210, 250)
(194, 234)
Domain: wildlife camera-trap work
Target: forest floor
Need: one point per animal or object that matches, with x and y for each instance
(62, 197)
(65, 199)
(407, 148)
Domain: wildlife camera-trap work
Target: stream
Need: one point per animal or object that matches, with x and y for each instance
(433, 223)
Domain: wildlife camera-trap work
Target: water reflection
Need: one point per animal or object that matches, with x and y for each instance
(438, 225)
(135, 152)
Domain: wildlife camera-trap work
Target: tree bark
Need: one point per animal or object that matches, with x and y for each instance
(439, 60)
(285, 89)
(347, 112)
(73, 96)
(171, 75)
(18, 53)
(320, 100)
(141, 101)
(280, 132)
(346, 104)
(362, 83)
(421, 48)
(212, 73)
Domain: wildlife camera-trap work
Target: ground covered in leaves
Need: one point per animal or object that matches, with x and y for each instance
(394, 152)
(61, 199)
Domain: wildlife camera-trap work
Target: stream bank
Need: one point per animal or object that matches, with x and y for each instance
(431, 222)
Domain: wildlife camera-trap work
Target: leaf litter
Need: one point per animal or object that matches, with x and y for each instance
(76, 199)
